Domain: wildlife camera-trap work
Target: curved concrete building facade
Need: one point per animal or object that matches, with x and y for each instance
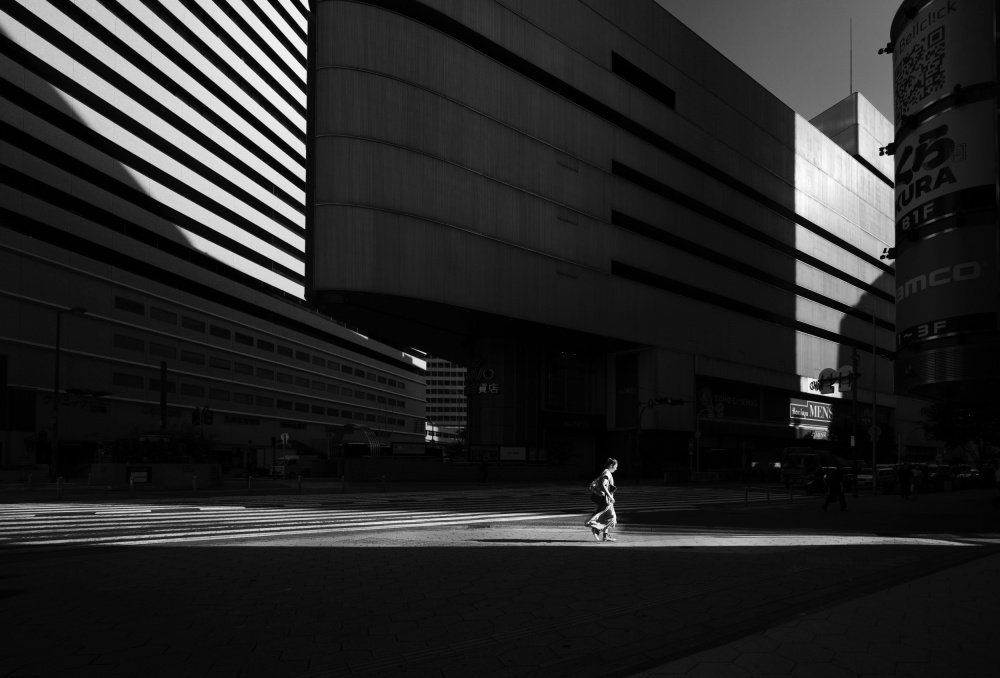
(586, 201)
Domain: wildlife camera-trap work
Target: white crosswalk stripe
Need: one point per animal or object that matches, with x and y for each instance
(33, 525)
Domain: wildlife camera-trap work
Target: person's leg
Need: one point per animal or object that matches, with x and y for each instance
(601, 505)
(612, 521)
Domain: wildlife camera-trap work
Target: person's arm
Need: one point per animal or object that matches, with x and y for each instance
(605, 485)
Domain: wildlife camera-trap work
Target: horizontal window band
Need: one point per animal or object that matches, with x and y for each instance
(72, 49)
(275, 33)
(707, 253)
(194, 6)
(653, 186)
(158, 42)
(458, 31)
(639, 78)
(874, 170)
(72, 126)
(87, 173)
(282, 11)
(70, 86)
(51, 235)
(50, 194)
(697, 294)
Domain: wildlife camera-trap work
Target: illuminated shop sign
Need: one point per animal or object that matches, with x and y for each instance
(809, 412)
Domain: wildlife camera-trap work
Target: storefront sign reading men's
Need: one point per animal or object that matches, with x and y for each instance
(809, 412)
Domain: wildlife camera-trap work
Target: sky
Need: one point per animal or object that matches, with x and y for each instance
(800, 50)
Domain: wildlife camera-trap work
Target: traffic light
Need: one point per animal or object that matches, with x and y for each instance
(196, 416)
(207, 416)
(664, 401)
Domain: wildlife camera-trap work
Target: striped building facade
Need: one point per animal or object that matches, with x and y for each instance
(152, 172)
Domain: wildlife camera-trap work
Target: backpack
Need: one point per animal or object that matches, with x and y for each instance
(597, 484)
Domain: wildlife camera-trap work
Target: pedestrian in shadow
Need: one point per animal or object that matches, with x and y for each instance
(905, 477)
(916, 480)
(835, 488)
(602, 493)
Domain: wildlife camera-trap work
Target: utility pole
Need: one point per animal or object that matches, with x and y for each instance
(54, 444)
(854, 418)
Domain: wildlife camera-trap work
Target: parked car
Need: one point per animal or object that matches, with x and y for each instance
(966, 472)
(886, 479)
(937, 476)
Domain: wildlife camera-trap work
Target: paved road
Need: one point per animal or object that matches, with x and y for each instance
(163, 520)
(888, 588)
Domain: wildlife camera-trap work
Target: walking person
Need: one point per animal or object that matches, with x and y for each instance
(835, 488)
(603, 495)
(905, 474)
(916, 478)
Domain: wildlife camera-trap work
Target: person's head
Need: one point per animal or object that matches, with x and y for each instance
(611, 464)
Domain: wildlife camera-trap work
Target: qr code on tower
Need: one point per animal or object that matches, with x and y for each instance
(921, 72)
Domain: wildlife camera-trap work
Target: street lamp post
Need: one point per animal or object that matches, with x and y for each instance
(697, 436)
(873, 432)
(55, 386)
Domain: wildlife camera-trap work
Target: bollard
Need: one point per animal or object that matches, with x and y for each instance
(59, 487)
(343, 481)
(249, 482)
(30, 480)
(300, 484)
(383, 483)
(131, 486)
(194, 483)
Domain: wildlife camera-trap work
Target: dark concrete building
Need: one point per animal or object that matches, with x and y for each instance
(585, 199)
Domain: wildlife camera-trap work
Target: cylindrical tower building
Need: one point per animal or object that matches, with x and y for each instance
(944, 68)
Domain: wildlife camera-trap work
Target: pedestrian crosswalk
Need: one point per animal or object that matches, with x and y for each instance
(84, 524)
